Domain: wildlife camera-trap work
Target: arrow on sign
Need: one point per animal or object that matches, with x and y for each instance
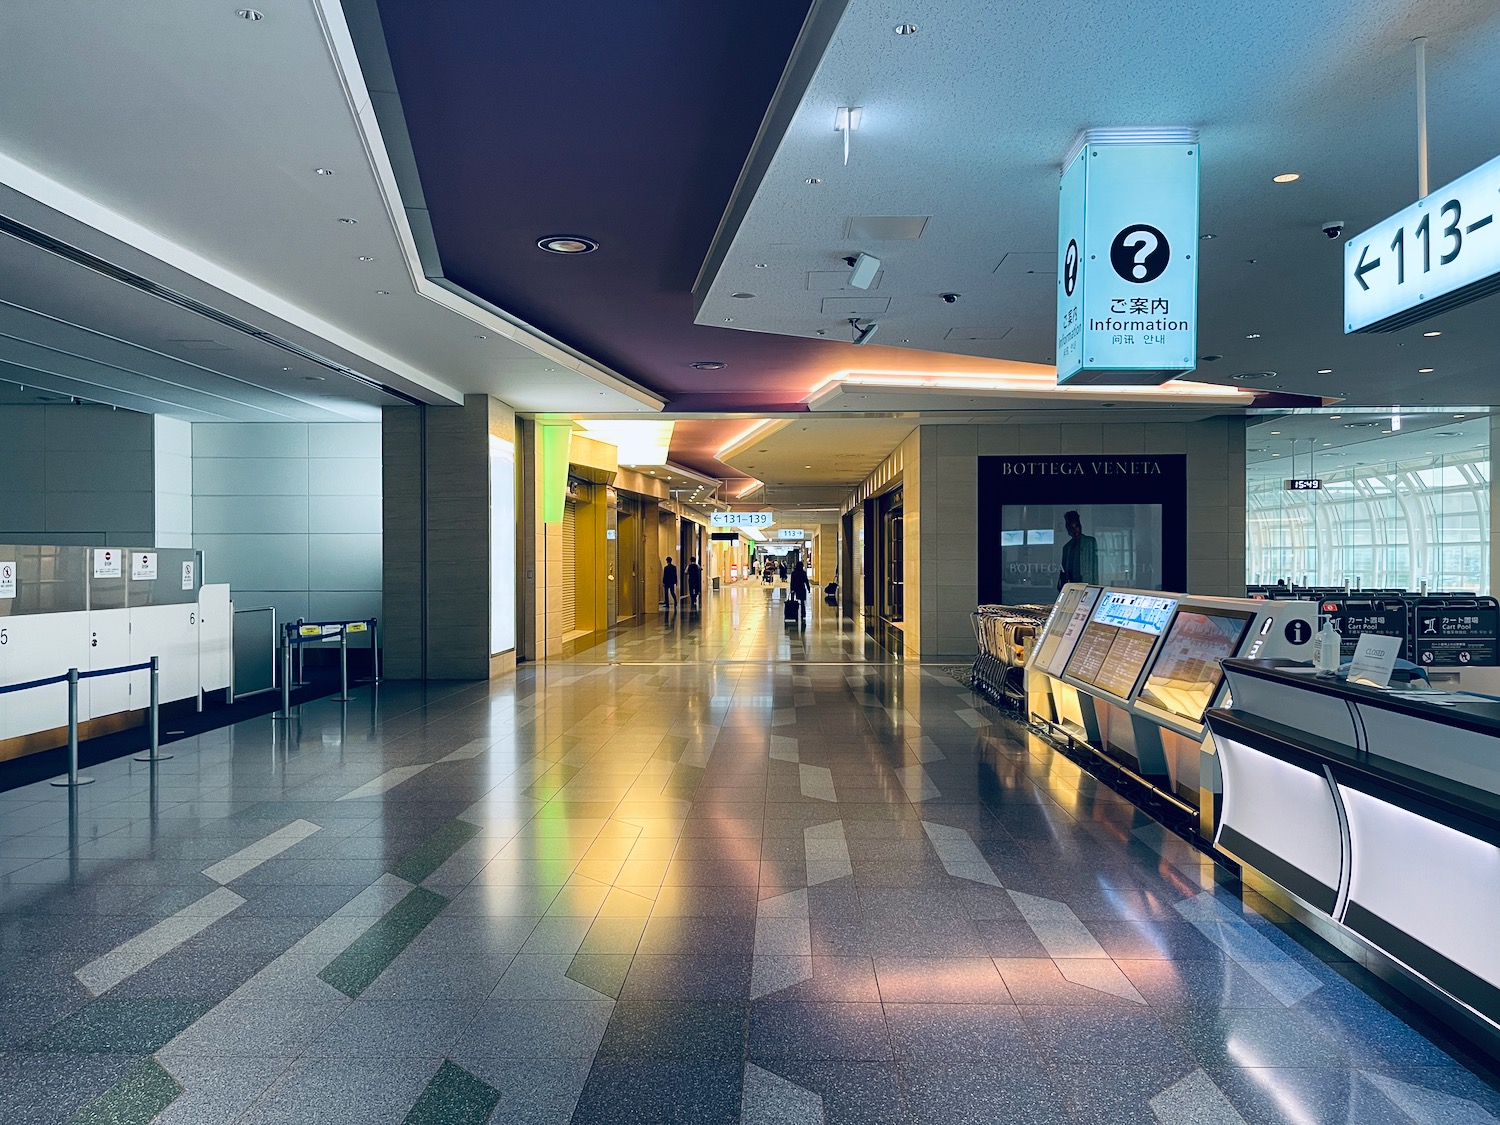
(1364, 268)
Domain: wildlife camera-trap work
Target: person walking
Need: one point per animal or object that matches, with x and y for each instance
(669, 584)
(800, 585)
(694, 582)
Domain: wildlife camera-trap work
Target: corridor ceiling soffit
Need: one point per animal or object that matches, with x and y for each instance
(189, 147)
(964, 123)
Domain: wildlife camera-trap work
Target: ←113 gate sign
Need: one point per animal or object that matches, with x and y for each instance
(1441, 252)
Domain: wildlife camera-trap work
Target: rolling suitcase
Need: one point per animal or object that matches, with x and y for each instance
(792, 610)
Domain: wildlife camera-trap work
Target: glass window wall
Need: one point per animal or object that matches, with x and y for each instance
(1394, 511)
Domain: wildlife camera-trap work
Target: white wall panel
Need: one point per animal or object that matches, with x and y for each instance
(250, 515)
(343, 562)
(169, 632)
(215, 636)
(290, 515)
(249, 476)
(109, 647)
(239, 439)
(36, 647)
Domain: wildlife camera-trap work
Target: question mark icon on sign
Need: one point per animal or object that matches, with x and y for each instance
(1140, 253)
(1144, 244)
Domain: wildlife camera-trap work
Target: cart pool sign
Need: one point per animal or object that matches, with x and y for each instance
(1127, 260)
(1441, 252)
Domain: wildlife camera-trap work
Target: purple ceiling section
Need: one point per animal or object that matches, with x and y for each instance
(625, 123)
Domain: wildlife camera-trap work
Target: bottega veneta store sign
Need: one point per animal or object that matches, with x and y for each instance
(1079, 467)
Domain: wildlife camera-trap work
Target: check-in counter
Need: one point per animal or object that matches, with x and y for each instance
(94, 608)
(1377, 811)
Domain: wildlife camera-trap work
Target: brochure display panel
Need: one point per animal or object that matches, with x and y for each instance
(1068, 629)
(1118, 640)
(1186, 675)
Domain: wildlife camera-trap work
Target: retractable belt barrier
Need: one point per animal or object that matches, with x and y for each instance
(72, 677)
(298, 634)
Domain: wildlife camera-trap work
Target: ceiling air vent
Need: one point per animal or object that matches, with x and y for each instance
(885, 228)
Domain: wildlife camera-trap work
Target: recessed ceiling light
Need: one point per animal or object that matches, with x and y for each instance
(323, 171)
(708, 365)
(1275, 433)
(1209, 358)
(313, 378)
(1432, 333)
(1325, 371)
(1334, 417)
(729, 320)
(481, 337)
(382, 292)
(1460, 416)
(906, 29)
(1206, 237)
(1248, 376)
(742, 296)
(1287, 178)
(1253, 336)
(567, 244)
(760, 265)
(1426, 370)
(250, 14)
(366, 258)
(814, 180)
(348, 222)
(1275, 455)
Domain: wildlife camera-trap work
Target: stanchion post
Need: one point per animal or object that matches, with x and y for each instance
(301, 667)
(286, 674)
(375, 649)
(343, 664)
(72, 780)
(153, 717)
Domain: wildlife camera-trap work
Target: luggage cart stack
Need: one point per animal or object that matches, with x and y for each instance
(1003, 635)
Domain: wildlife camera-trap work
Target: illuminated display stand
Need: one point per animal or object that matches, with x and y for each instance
(1131, 673)
(1373, 815)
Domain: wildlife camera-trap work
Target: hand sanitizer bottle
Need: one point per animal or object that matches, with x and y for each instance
(1329, 642)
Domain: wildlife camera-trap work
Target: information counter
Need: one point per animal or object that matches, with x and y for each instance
(1378, 812)
(1130, 674)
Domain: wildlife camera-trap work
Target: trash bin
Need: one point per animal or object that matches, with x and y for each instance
(716, 582)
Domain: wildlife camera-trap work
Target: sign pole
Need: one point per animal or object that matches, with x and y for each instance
(1420, 42)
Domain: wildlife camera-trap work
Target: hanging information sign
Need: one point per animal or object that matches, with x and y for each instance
(1127, 252)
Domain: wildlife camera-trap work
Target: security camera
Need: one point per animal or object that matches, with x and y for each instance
(1333, 228)
(950, 298)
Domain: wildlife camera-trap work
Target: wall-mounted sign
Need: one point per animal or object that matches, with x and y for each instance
(791, 533)
(106, 562)
(743, 519)
(143, 566)
(1304, 484)
(7, 579)
(1441, 252)
(187, 576)
(1127, 252)
(725, 536)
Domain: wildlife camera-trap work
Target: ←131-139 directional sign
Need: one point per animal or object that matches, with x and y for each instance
(1441, 252)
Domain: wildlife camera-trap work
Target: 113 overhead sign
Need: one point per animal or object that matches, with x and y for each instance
(1441, 252)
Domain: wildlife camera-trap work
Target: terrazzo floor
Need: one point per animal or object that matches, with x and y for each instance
(717, 869)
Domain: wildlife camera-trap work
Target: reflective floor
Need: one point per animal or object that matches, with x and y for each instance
(738, 873)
